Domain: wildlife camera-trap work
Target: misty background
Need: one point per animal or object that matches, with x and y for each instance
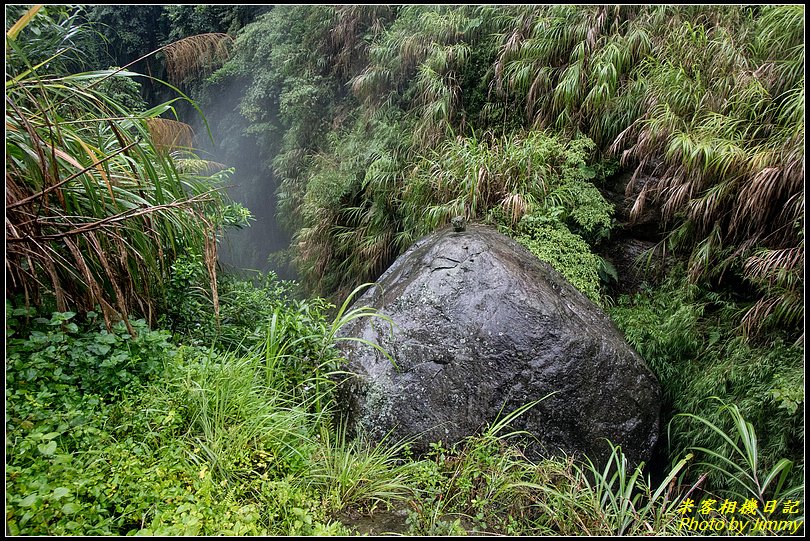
(264, 245)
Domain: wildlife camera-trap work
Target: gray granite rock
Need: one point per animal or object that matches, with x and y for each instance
(483, 327)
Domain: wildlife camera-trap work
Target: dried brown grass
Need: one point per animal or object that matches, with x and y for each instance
(191, 56)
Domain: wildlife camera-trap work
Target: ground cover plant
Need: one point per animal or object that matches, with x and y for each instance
(140, 435)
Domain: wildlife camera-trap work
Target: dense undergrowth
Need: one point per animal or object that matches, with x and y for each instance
(176, 434)
(686, 336)
(214, 414)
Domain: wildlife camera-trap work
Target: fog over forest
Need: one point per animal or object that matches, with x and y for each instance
(259, 247)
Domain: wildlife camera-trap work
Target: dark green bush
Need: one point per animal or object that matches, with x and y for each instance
(691, 340)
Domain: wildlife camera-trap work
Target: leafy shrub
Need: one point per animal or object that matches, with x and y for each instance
(63, 378)
(567, 252)
(586, 212)
(246, 307)
(690, 339)
(58, 351)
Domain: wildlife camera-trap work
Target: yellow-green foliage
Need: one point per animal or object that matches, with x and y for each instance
(111, 434)
(565, 251)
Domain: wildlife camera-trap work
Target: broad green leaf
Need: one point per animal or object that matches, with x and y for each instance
(48, 448)
(29, 500)
(70, 508)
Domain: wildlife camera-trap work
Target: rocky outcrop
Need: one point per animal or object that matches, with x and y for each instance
(637, 262)
(483, 327)
(623, 192)
(633, 249)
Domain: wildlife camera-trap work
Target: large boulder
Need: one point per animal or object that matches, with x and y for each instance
(483, 327)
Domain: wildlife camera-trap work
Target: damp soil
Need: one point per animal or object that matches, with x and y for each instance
(390, 522)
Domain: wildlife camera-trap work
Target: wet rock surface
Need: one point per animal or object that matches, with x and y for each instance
(633, 249)
(483, 327)
(637, 262)
(623, 191)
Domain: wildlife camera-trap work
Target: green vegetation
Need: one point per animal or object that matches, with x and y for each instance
(149, 393)
(706, 99)
(100, 199)
(687, 338)
(159, 439)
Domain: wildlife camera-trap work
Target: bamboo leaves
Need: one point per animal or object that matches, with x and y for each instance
(710, 101)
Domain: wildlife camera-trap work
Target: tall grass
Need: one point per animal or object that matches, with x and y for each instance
(739, 461)
(236, 422)
(356, 475)
(268, 415)
(96, 208)
(629, 502)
